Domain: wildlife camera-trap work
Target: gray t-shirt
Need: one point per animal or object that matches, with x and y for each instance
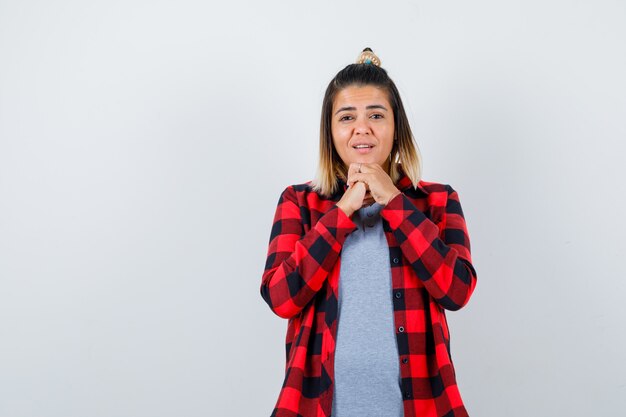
(367, 368)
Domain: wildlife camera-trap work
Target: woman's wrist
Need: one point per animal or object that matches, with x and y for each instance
(345, 210)
(393, 195)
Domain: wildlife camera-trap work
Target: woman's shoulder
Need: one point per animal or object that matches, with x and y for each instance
(423, 188)
(433, 186)
(304, 187)
(304, 194)
(427, 186)
(307, 187)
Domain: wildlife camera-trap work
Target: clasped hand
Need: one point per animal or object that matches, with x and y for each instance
(365, 187)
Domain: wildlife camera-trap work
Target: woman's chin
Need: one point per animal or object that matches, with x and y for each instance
(364, 160)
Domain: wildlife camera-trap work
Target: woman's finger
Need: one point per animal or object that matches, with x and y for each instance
(369, 168)
(357, 177)
(352, 169)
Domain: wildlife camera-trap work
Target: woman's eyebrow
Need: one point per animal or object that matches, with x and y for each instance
(372, 106)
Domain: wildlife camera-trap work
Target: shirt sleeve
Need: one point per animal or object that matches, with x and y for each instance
(443, 264)
(298, 263)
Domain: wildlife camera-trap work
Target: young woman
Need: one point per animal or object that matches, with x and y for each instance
(363, 261)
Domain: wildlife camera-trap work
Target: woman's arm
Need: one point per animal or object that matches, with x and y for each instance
(443, 265)
(297, 265)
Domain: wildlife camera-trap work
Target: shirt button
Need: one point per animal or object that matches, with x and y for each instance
(405, 360)
(398, 294)
(407, 394)
(401, 329)
(396, 260)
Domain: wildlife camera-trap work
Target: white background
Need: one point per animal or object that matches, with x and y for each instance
(144, 145)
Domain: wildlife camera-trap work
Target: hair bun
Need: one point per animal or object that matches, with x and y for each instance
(368, 57)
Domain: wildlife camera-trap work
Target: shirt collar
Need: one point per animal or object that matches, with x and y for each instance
(404, 183)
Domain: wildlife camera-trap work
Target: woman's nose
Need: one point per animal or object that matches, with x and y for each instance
(362, 127)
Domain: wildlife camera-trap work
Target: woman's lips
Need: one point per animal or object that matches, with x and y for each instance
(364, 151)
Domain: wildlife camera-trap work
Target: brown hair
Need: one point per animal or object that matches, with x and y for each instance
(404, 150)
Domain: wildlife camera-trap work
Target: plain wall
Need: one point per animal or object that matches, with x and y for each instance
(144, 145)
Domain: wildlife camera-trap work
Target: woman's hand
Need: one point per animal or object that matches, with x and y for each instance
(376, 180)
(365, 187)
(354, 198)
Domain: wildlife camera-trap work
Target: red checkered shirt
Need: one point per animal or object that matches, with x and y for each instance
(431, 271)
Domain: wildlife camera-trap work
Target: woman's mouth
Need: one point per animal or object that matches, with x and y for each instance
(363, 149)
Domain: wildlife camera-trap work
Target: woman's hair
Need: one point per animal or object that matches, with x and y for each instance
(404, 151)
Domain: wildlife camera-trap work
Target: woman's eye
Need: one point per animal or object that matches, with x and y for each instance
(377, 116)
(345, 118)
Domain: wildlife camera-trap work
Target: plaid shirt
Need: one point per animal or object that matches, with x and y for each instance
(431, 271)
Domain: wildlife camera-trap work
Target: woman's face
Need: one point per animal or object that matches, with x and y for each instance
(363, 116)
